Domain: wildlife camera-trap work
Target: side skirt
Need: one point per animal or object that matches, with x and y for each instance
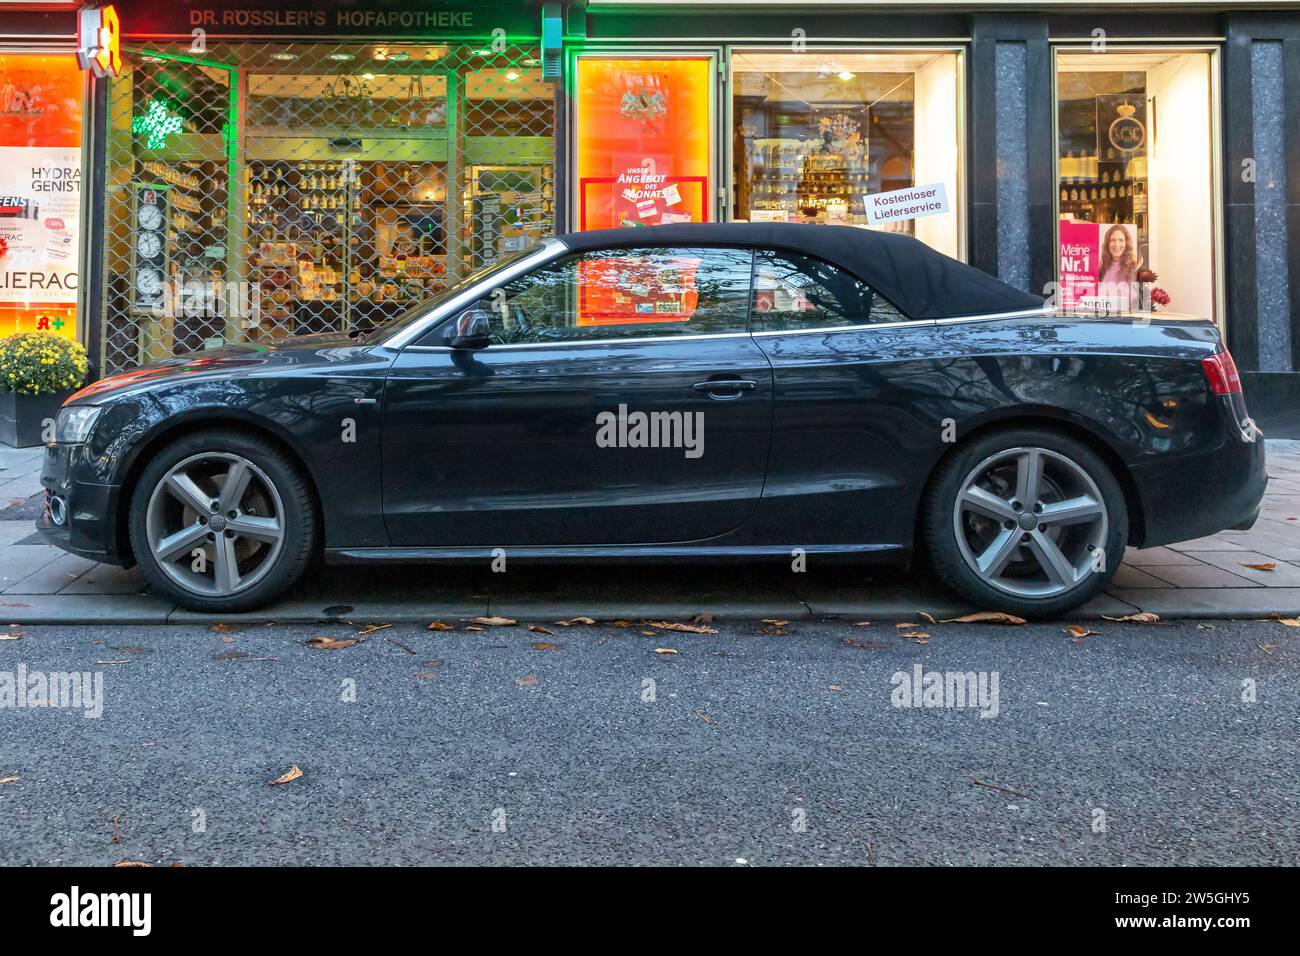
(638, 552)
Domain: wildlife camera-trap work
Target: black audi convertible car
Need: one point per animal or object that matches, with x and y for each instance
(742, 390)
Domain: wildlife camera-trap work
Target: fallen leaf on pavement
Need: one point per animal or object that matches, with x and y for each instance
(929, 618)
(862, 624)
(702, 717)
(220, 628)
(11, 637)
(439, 626)
(496, 621)
(985, 617)
(290, 775)
(323, 643)
(545, 646)
(775, 621)
(619, 623)
(132, 863)
(9, 779)
(664, 650)
(471, 627)
(1263, 566)
(1141, 617)
(227, 640)
(1289, 621)
(370, 629)
(915, 636)
(993, 786)
(650, 633)
(835, 687)
(906, 625)
(529, 681)
(538, 629)
(433, 664)
(688, 628)
(584, 620)
(862, 645)
(1077, 632)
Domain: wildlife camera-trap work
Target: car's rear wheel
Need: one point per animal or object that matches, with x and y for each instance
(222, 521)
(1026, 520)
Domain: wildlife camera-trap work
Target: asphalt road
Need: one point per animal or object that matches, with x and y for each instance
(776, 748)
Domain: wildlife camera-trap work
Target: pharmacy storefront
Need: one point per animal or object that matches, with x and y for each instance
(271, 171)
(268, 170)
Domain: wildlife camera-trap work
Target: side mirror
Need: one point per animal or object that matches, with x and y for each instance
(471, 330)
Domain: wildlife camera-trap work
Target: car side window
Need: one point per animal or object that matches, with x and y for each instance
(626, 293)
(793, 292)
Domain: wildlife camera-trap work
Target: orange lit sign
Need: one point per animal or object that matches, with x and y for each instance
(99, 41)
(643, 141)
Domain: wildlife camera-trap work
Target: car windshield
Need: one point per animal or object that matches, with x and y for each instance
(425, 306)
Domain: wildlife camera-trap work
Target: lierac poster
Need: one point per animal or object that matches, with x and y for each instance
(40, 192)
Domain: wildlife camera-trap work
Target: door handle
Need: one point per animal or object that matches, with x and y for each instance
(726, 385)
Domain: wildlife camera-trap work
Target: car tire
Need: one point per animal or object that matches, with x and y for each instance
(249, 546)
(1007, 556)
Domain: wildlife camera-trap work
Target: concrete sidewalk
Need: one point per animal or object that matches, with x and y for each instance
(1206, 578)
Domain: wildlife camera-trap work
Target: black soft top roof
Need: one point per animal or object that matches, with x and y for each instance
(923, 283)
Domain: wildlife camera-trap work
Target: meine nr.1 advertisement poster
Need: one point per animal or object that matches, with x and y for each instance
(40, 192)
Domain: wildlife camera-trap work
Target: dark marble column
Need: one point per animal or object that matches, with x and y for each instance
(1011, 169)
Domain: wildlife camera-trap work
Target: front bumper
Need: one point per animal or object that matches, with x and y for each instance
(90, 509)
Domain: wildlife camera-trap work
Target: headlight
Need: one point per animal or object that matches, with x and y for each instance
(75, 422)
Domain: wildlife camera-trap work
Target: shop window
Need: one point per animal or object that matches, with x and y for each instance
(273, 189)
(1135, 181)
(628, 293)
(815, 135)
(793, 292)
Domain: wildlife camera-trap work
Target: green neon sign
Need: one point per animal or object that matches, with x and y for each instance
(157, 124)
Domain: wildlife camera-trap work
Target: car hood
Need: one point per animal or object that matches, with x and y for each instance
(250, 358)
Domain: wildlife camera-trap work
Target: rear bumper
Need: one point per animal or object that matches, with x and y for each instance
(1192, 496)
(89, 510)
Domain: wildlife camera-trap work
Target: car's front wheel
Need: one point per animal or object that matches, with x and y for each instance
(222, 521)
(1026, 520)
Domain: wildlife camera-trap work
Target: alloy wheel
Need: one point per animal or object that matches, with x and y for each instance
(215, 524)
(1031, 522)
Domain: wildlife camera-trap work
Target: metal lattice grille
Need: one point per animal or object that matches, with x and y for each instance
(265, 190)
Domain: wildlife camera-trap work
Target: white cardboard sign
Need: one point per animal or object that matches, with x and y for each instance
(898, 205)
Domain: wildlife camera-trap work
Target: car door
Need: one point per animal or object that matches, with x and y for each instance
(856, 393)
(620, 401)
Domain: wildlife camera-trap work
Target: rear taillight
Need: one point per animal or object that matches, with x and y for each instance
(1221, 370)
